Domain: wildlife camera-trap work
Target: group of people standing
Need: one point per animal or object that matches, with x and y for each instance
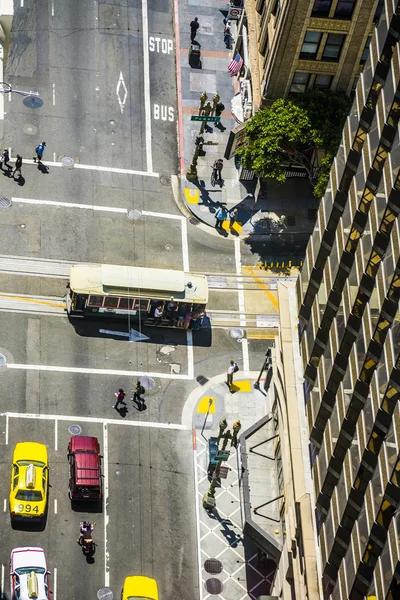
(17, 170)
(179, 314)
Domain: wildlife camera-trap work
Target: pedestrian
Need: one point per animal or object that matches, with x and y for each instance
(4, 158)
(233, 368)
(232, 217)
(194, 25)
(39, 152)
(158, 314)
(138, 393)
(218, 166)
(228, 34)
(17, 166)
(187, 320)
(220, 216)
(219, 108)
(120, 398)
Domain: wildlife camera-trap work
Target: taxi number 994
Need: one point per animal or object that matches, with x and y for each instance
(27, 508)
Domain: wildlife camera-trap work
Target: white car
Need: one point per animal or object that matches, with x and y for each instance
(29, 575)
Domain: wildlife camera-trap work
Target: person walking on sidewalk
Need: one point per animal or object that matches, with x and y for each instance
(219, 108)
(17, 166)
(220, 216)
(233, 368)
(218, 166)
(4, 158)
(120, 398)
(39, 152)
(194, 25)
(228, 34)
(232, 217)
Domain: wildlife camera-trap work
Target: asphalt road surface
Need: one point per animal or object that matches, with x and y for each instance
(106, 73)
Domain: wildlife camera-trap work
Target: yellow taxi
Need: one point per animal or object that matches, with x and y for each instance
(139, 588)
(29, 481)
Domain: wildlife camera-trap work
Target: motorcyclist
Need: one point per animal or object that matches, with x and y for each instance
(85, 531)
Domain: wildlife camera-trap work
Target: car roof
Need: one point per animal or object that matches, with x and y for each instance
(31, 557)
(142, 587)
(30, 451)
(87, 469)
(84, 443)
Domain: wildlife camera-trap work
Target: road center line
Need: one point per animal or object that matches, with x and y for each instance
(97, 420)
(146, 79)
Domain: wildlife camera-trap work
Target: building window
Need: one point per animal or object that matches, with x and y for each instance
(300, 82)
(378, 11)
(310, 45)
(323, 82)
(344, 9)
(321, 8)
(365, 53)
(276, 9)
(333, 47)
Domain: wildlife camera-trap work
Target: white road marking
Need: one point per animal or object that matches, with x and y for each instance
(146, 77)
(105, 504)
(55, 583)
(6, 430)
(59, 369)
(245, 346)
(96, 420)
(121, 85)
(196, 487)
(54, 102)
(5, 504)
(2, 570)
(56, 435)
(55, 506)
(185, 247)
(148, 173)
(52, 8)
(22, 4)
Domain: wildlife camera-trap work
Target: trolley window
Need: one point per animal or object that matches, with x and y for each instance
(140, 304)
(95, 300)
(125, 303)
(111, 302)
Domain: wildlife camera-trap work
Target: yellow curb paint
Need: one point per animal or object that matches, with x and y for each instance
(205, 407)
(261, 336)
(32, 300)
(236, 226)
(191, 195)
(244, 386)
(263, 287)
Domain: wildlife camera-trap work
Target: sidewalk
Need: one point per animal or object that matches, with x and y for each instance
(261, 215)
(229, 564)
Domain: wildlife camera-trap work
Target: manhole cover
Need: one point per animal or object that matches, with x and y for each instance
(147, 382)
(134, 215)
(214, 586)
(105, 594)
(201, 379)
(75, 429)
(213, 566)
(3, 360)
(165, 180)
(236, 333)
(67, 161)
(5, 202)
(194, 221)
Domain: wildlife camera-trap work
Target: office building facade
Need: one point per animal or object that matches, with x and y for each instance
(295, 45)
(349, 328)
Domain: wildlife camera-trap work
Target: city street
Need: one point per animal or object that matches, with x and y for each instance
(106, 193)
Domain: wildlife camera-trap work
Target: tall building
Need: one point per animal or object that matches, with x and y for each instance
(349, 323)
(293, 45)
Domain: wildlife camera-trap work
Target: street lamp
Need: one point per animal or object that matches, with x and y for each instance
(31, 99)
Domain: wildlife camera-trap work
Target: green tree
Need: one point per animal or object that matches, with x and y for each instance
(291, 130)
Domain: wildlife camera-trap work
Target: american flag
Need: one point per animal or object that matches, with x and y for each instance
(235, 65)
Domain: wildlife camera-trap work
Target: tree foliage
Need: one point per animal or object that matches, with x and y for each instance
(289, 132)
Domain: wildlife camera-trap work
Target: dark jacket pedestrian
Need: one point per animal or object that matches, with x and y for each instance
(120, 398)
(4, 158)
(232, 217)
(194, 25)
(17, 166)
(138, 392)
(39, 152)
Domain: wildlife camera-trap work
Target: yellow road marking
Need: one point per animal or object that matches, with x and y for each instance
(236, 226)
(262, 286)
(191, 195)
(204, 407)
(32, 300)
(261, 336)
(244, 386)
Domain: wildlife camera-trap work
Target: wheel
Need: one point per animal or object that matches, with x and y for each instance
(213, 179)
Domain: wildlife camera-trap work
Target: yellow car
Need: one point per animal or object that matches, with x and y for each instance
(29, 481)
(139, 588)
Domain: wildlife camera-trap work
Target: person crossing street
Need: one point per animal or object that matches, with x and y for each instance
(39, 152)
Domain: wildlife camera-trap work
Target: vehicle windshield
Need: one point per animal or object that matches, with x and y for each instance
(26, 463)
(27, 570)
(29, 495)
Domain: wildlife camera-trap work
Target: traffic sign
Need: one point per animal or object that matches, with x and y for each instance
(235, 13)
(205, 118)
(222, 455)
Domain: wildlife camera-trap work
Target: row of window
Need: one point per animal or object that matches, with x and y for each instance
(301, 80)
(120, 303)
(332, 49)
(343, 9)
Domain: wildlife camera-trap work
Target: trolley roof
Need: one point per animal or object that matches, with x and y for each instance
(118, 280)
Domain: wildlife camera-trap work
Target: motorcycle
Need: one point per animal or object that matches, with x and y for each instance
(85, 539)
